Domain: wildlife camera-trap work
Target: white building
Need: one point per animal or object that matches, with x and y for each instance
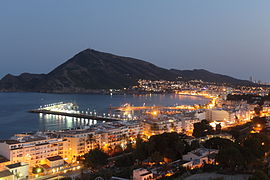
(200, 156)
(19, 170)
(188, 123)
(31, 149)
(6, 175)
(142, 174)
(217, 115)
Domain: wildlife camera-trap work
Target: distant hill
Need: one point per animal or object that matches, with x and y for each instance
(91, 71)
(207, 76)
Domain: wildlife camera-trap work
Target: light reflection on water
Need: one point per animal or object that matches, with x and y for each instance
(51, 122)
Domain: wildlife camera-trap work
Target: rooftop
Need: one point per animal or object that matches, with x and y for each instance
(12, 166)
(3, 159)
(55, 158)
(5, 173)
(145, 174)
(10, 142)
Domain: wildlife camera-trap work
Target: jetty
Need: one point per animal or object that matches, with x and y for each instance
(70, 110)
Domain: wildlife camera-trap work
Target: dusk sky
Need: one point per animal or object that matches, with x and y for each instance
(230, 37)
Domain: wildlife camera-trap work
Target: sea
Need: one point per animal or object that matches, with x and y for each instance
(15, 118)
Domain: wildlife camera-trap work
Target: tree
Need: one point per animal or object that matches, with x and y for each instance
(124, 161)
(156, 157)
(169, 145)
(258, 110)
(105, 174)
(117, 150)
(230, 158)
(37, 170)
(259, 122)
(218, 128)
(95, 159)
(259, 175)
(202, 129)
(141, 149)
(129, 147)
(194, 145)
(260, 141)
(218, 143)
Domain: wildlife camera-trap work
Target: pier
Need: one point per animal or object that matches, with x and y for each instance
(69, 110)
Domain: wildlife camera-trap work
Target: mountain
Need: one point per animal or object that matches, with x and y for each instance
(207, 76)
(24, 82)
(91, 71)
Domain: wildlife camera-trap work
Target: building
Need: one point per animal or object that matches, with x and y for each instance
(55, 162)
(217, 115)
(188, 124)
(200, 156)
(54, 148)
(6, 175)
(161, 124)
(142, 174)
(3, 162)
(19, 170)
(106, 136)
(31, 149)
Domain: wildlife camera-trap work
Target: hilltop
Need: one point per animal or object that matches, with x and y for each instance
(92, 71)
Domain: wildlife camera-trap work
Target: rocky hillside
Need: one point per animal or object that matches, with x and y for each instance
(91, 71)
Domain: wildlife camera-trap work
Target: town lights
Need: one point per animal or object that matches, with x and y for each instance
(39, 170)
(154, 113)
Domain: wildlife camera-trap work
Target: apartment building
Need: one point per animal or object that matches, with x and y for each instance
(81, 141)
(188, 123)
(31, 149)
(153, 126)
(36, 149)
(217, 115)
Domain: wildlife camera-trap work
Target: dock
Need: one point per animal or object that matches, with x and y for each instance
(67, 109)
(76, 115)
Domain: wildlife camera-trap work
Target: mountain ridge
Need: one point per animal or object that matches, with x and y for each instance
(92, 71)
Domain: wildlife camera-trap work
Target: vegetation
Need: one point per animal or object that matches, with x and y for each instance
(95, 159)
(230, 157)
(244, 154)
(166, 145)
(125, 161)
(37, 170)
(202, 128)
(218, 143)
(259, 175)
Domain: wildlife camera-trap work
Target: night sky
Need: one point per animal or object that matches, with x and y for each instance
(230, 37)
